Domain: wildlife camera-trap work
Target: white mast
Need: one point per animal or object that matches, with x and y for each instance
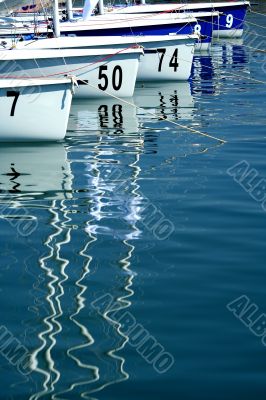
(69, 8)
(89, 5)
(56, 18)
(101, 7)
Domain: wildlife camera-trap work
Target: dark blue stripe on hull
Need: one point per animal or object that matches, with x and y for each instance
(141, 30)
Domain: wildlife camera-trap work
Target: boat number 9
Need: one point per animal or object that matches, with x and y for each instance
(117, 77)
(13, 93)
(229, 21)
(172, 63)
(197, 29)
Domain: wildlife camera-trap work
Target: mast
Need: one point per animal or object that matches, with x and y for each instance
(101, 7)
(56, 18)
(89, 5)
(69, 9)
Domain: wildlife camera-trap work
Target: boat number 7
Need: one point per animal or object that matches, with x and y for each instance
(173, 62)
(13, 93)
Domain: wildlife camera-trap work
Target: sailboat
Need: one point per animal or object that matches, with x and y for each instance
(167, 56)
(34, 109)
(206, 20)
(107, 24)
(231, 14)
(100, 72)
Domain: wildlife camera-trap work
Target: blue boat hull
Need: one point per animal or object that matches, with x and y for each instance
(204, 27)
(164, 29)
(230, 22)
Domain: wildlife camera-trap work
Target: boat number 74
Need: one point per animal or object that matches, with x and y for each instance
(172, 63)
(13, 93)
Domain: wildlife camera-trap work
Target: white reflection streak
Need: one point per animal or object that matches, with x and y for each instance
(84, 331)
(80, 305)
(125, 262)
(54, 300)
(51, 320)
(132, 217)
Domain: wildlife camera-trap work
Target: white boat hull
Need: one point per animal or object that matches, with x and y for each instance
(34, 110)
(166, 63)
(159, 62)
(100, 74)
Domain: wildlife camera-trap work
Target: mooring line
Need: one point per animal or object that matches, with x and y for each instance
(192, 130)
(256, 12)
(217, 65)
(226, 41)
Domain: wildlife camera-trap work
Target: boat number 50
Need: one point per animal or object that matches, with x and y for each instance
(229, 21)
(117, 77)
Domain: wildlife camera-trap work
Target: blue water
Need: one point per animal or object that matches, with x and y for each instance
(77, 225)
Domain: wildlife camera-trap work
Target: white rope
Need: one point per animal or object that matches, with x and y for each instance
(256, 12)
(254, 48)
(255, 34)
(253, 23)
(227, 41)
(192, 130)
(244, 77)
(227, 75)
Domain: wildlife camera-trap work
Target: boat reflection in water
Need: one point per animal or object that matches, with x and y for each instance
(210, 69)
(152, 101)
(74, 349)
(158, 101)
(38, 170)
(85, 195)
(109, 212)
(110, 116)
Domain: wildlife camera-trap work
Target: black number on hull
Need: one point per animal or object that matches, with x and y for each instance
(13, 93)
(162, 53)
(102, 75)
(173, 62)
(117, 77)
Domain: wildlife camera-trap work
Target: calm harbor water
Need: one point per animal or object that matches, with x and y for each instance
(135, 212)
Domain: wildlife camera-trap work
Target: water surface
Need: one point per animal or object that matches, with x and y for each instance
(85, 219)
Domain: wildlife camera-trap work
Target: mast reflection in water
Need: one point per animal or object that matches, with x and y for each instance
(75, 350)
(86, 197)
